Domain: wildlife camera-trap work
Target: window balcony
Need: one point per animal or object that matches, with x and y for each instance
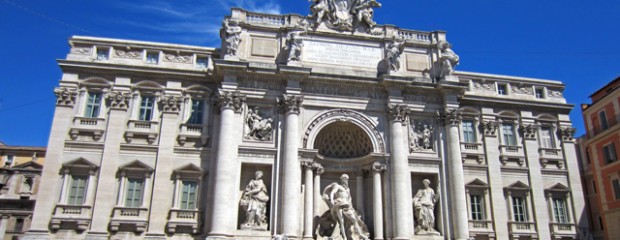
(71, 216)
(147, 130)
(472, 148)
(183, 221)
(522, 228)
(550, 153)
(134, 218)
(560, 230)
(481, 226)
(510, 150)
(93, 127)
(194, 133)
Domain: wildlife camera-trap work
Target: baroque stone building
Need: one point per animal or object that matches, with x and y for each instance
(297, 126)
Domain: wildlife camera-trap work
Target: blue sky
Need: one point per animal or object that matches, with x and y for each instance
(575, 41)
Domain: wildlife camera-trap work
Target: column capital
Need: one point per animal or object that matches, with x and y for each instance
(529, 131)
(119, 99)
(398, 113)
(567, 133)
(489, 127)
(450, 117)
(379, 168)
(318, 168)
(171, 103)
(230, 100)
(65, 96)
(290, 103)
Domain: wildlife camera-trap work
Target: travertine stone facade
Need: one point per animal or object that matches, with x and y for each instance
(180, 131)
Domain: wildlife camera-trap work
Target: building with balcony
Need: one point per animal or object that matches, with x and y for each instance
(20, 176)
(295, 118)
(600, 167)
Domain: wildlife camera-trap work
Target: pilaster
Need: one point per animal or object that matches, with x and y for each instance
(541, 216)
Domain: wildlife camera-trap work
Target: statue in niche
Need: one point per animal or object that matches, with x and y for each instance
(233, 37)
(257, 127)
(448, 59)
(365, 12)
(421, 137)
(392, 54)
(254, 202)
(424, 204)
(338, 198)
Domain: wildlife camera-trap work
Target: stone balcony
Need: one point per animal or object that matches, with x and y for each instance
(92, 127)
(522, 228)
(143, 130)
(512, 156)
(135, 219)
(184, 221)
(71, 217)
(193, 133)
(551, 157)
(560, 230)
(472, 153)
(481, 227)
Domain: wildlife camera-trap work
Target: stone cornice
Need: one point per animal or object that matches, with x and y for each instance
(73, 66)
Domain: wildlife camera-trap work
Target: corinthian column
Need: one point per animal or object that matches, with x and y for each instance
(226, 167)
(291, 172)
(401, 177)
(452, 119)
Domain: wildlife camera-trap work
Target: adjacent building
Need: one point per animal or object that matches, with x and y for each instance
(20, 175)
(297, 125)
(599, 149)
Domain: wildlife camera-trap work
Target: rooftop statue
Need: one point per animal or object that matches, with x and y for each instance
(448, 59)
(345, 15)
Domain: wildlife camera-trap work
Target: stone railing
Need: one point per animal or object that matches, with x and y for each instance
(144, 129)
(563, 228)
(471, 147)
(522, 227)
(136, 217)
(416, 36)
(78, 215)
(550, 153)
(193, 132)
(87, 126)
(510, 150)
(278, 20)
(480, 225)
(184, 219)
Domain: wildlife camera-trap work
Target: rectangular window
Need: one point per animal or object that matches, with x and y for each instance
(559, 210)
(188, 195)
(146, 108)
(602, 117)
(469, 133)
(594, 186)
(152, 57)
(19, 225)
(502, 89)
(540, 93)
(197, 110)
(510, 138)
(93, 105)
(519, 209)
(77, 190)
(476, 207)
(610, 153)
(103, 53)
(133, 195)
(202, 62)
(546, 138)
(616, 185)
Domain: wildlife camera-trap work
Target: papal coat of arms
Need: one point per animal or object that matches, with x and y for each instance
(344, 15)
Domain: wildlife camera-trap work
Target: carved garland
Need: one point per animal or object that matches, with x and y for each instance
(346, 113)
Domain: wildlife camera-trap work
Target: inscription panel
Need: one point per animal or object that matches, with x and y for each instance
(341, 54)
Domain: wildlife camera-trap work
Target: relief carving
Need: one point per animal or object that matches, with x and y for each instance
(81, 50)
(344, 15)
(136, 54)
(522, 90)
(421, 136)
(119, 99)
(65, 96)
(482, 86)
(257, 126)
(555, 93)
(178, 58)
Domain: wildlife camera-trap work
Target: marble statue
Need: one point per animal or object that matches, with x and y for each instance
(258, 127)
(448, 59)
(341, 14)
(338, 198)
(424, 204)
(232, 36)
(364, 11)
(294, 43)
(421, 136)
(392, 54)
(320, 11)
(254, 201)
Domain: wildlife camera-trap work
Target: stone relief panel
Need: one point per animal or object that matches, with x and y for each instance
(344, 15)
(483, 86)
(422, 135)
(83, 50)
(555, 93)
(128, 53)
(525, 90)
(258, 123)
(178, 58)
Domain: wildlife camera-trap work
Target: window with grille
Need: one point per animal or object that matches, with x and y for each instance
(477, 212)
(77, 190)
(188, 195)
(502, 89)
(546, 138)
(103, 53)
(133, 195)
(519, 209)
(540, 93)
(147, 105)
(508, 131)
(202, 62)
(152, 57)
(197, 112)
(559, 210)
(93, 105)
(469, 134)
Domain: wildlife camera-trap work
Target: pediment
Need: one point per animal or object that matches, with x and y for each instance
(80, 163)
(477, 183)
(519, 186)
(31, 165)
(136, 166)
(189, 168)
(558, 188)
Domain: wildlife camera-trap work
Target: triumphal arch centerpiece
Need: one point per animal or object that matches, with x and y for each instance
(326, 125)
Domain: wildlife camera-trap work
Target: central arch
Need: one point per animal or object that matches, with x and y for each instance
(334, 126)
